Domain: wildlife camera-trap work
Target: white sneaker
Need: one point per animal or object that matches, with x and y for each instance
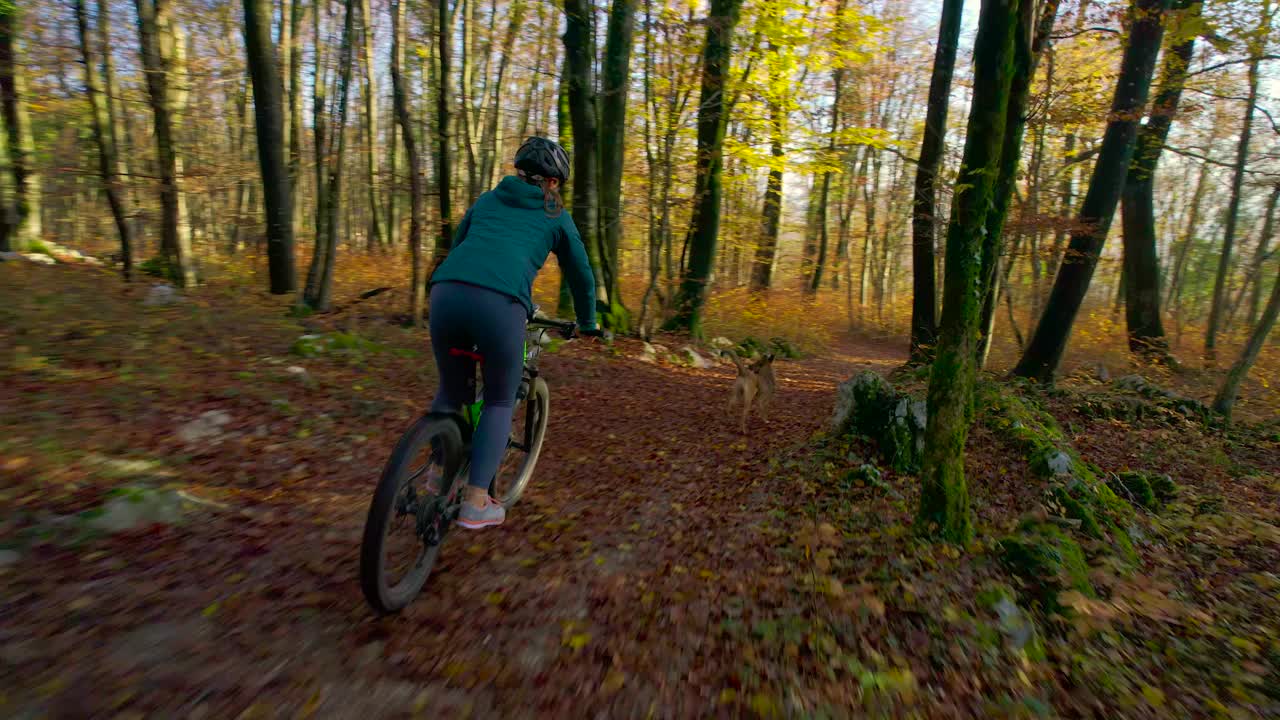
(478, 518)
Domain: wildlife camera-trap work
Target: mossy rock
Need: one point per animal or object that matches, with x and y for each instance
(867, 405)
(867, 476)
(1144, 489)
(1076, 490)
(334, 342)
(902, 440)
(1167, 399)
(1046, 561)
(615, 317)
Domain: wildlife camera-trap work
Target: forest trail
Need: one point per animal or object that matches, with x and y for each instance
(603, 594)
(660, 564)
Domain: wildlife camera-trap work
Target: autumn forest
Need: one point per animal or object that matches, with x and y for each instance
(1016, 262)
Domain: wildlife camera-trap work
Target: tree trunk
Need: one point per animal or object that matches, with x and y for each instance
(470, 131)
(1254, 282)
(174, 44)
(394, 196)
(532, 89)
(564, 303)
(613, 134)
(1044, 353)
(23, 225)
(320, 278)
(444, 131)
(319, 136)
(119, 124)
(654, 239)
(297, 11)
(376, 235)
(269, 118)
(1188, 235)
(1232, 219)
(1226, 398)
(1141, 261)
(491, 145)
(944, 499)
(287, 29)
(771, 215)
(104, 137)
(1029, 42)
(924, 221)
(704, 225)
(579, 46)
(837, 80)
(400, 99)
(153, 23)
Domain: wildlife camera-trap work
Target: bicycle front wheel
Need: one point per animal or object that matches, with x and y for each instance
(407, 523)
(528, 428)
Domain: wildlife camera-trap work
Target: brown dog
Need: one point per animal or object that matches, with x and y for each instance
(754, 385)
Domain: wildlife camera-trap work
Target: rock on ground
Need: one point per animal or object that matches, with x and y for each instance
(206, 427)
(696, 359)
(137, 507)
(161, 295)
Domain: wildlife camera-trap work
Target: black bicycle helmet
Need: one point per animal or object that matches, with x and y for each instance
(541, 157)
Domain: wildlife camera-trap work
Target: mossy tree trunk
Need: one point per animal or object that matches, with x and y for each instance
(924, 222)
(1044, 353)
(22, 224)
(564, 301)
(1028, 45)
(704, 225)
(613, 133)
(944, 500)
(1141, 261)
(580, 91)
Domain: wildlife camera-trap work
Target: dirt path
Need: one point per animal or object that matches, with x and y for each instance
(606, 594)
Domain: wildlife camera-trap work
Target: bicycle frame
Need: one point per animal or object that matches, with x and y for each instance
(535, 330)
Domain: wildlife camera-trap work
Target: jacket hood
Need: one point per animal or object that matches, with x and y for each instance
(514, 192)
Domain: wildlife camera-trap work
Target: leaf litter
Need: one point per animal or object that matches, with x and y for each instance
(660, 564)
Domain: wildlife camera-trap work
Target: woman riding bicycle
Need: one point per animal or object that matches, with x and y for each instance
(481, 296)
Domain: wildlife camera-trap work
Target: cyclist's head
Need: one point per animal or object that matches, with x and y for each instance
(542, 162)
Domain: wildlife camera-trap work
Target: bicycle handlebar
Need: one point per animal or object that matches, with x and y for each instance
(567, 327)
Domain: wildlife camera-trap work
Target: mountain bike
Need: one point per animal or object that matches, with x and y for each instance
(407, 525)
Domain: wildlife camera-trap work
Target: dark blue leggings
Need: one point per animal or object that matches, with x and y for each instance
(465, 317)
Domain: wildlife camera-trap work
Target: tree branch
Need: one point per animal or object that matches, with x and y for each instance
(1225, 63)
(1082, 31)
(1219, 163)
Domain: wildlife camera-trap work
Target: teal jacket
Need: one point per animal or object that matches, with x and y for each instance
(505, 238)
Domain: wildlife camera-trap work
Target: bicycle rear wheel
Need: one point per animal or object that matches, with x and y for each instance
(528, 428)
(406, 524)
